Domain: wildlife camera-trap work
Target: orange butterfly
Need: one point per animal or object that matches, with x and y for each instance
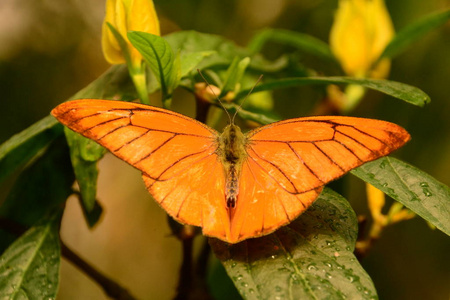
(235, 186)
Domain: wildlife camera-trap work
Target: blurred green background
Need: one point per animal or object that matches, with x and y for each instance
(51, 49)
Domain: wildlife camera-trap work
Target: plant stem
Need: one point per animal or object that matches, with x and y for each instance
(140, 83)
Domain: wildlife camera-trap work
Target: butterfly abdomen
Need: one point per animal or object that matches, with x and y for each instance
(232, 187)
(232, 153)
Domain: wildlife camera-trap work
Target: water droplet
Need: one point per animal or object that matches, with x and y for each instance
(312, 267)
(252, 291)
(273, 256)
(383, 164)
(328, 275)
(384, 184)
(414, 199)
(233, 264)
(328, 265)
(427, 192)
(423, 184)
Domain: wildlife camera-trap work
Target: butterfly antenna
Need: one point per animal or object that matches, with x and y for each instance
(242, 103)
(217, 97)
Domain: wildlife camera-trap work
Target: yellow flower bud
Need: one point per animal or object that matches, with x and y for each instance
(376, 201)
(124, 16)
(360, 32)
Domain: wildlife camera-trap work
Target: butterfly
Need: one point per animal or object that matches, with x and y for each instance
(234, 185)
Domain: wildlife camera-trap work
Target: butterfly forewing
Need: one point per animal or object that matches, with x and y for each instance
(310, 152)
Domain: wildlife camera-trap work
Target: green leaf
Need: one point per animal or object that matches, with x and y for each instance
(395, 89)
(29, 268)
(224, 51)
(311, 258)
(159, 56)
(191, 41)
(414, 32)
(301, 41)
(234, 75)
(25, 145)
(41, 187)
(189, 61)
(410, 186)
(220, 284)
(249, 115)
(84, 154)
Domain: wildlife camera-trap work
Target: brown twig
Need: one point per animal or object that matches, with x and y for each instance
(365, 240)
(111, 288)
(186, 274)
(192, 280)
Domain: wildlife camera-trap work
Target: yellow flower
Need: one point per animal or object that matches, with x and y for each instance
(126, 15)
(360, 32)
(376, 201)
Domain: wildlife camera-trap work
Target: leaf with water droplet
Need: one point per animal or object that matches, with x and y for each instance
(305, 265)
(415, 189)
(29, 268)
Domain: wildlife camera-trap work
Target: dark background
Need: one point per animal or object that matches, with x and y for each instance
(51, 49)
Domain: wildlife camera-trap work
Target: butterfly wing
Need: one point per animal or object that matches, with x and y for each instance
(176, 154)
(290, 161)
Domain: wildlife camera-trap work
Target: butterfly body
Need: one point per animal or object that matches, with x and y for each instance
(232, 152)
(234, 185)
